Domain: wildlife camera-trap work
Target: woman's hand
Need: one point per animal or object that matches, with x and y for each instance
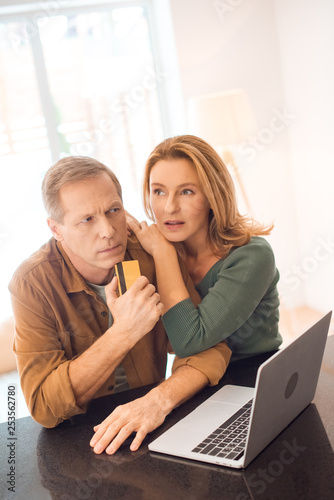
(150, 237)
(170, 282)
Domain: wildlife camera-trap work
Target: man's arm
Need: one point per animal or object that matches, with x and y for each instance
(145, 414)
(44, 352)
(135, 314)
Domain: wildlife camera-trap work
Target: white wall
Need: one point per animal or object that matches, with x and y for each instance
(307, 58)
(280, 53)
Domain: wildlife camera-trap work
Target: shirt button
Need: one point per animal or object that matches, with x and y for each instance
(104, 313)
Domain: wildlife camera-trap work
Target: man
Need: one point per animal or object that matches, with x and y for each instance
(75, 338)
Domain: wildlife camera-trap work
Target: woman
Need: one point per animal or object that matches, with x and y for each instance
(189, 194)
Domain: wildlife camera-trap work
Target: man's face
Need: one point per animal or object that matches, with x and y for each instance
(93, 232)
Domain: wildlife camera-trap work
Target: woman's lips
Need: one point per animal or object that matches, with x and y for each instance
(173, 225)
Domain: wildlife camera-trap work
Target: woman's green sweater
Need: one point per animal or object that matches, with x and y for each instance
(239, 303)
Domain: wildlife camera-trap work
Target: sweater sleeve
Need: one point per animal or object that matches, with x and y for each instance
(243, 279)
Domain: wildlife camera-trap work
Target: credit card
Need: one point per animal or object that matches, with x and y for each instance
(127, 272)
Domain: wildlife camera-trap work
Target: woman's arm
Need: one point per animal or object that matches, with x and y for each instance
(171, 286)
(236, 305)
(230, 302)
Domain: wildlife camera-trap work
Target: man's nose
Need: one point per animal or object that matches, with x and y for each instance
(106, 229)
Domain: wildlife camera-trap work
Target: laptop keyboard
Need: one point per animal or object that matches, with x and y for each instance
(229, 439)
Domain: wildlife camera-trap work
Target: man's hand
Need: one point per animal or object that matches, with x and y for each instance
(142, 416)
(136, 311)
(145, 414)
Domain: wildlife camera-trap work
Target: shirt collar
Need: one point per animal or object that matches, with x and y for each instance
(73, 281)
(71, 278)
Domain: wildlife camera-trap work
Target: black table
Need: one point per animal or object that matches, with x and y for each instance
(59, 463)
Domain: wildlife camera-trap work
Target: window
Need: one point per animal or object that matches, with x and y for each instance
(75, 80)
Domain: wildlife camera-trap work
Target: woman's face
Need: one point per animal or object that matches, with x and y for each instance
(180, 207)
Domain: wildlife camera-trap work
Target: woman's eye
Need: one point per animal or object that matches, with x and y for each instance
(187, 191)
(158, 192)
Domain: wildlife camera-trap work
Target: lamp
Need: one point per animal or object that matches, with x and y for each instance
(223, 119)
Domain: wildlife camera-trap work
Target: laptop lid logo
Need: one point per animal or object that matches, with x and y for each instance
(291, 385)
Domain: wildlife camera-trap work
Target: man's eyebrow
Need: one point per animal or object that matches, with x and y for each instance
(113, 204)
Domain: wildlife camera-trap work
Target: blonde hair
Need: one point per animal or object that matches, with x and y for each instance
(228, 228)
(69, 170)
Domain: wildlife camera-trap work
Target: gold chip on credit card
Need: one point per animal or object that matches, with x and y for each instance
(127, 272)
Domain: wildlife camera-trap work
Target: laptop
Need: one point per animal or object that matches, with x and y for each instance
(235, 424)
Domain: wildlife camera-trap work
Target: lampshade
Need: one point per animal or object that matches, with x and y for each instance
(222, 118)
